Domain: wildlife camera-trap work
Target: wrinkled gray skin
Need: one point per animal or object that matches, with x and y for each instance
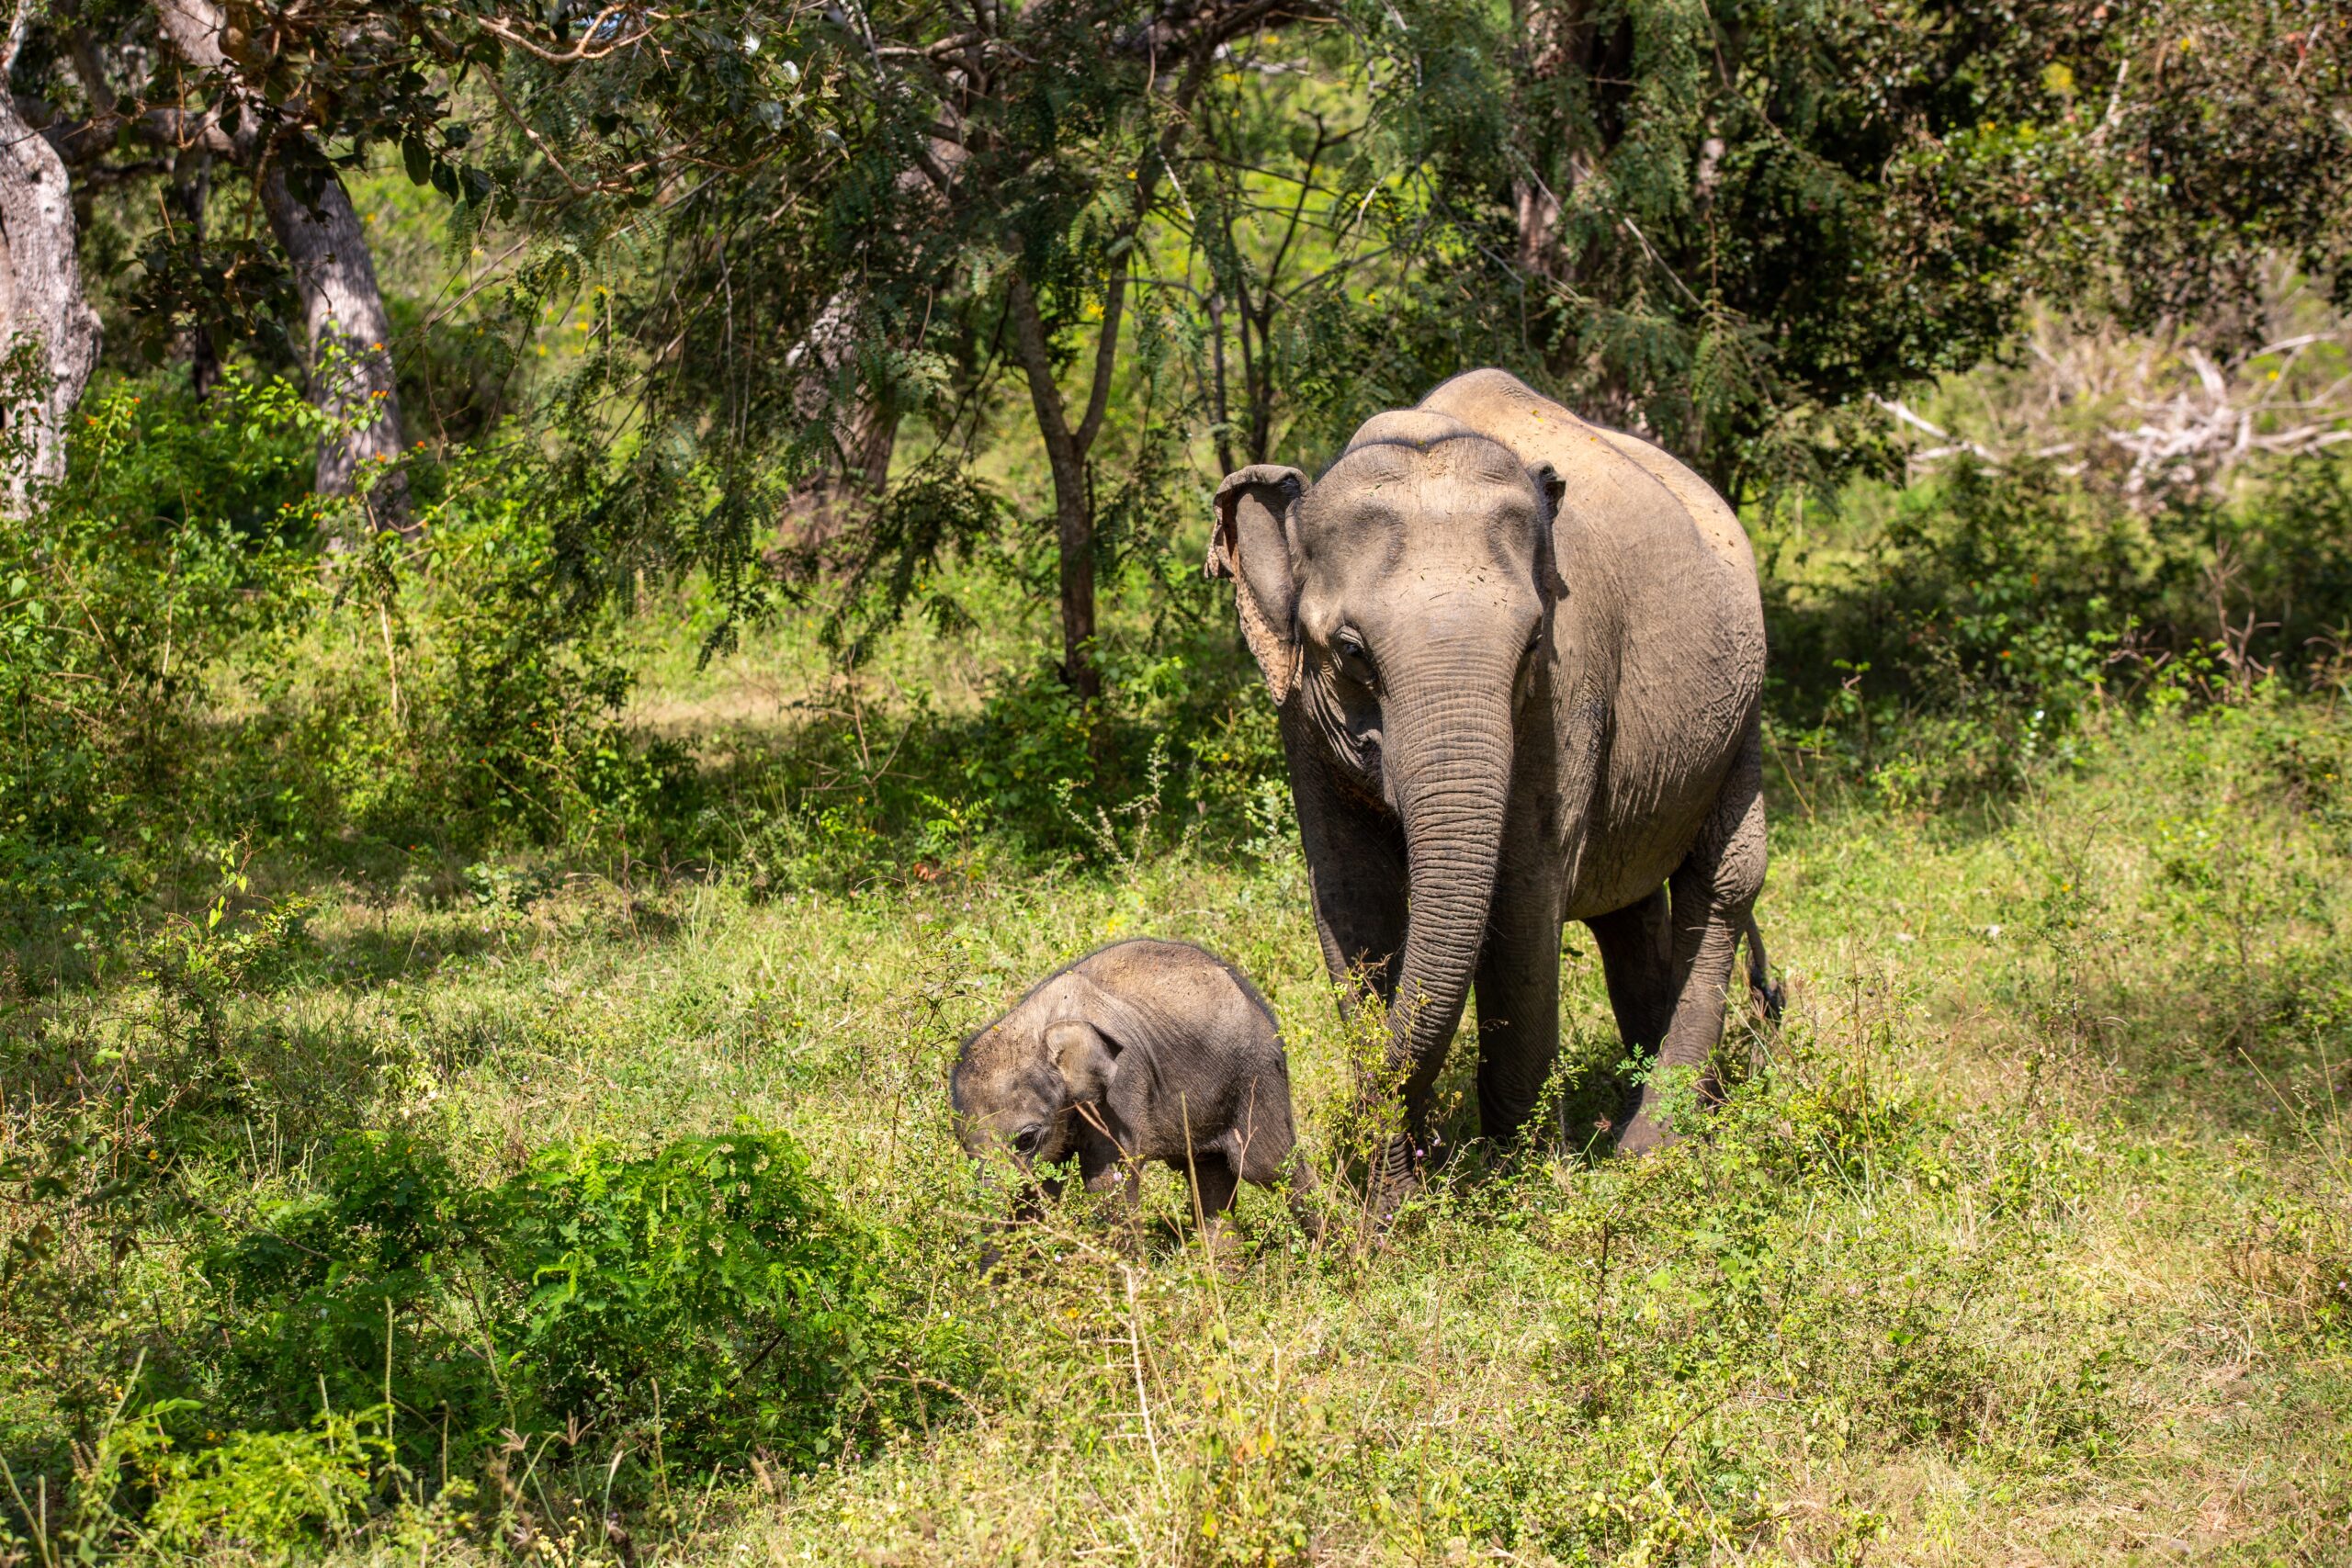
(1518, 660)
(1141, 1051)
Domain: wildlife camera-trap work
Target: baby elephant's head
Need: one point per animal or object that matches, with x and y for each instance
(1016, 1088)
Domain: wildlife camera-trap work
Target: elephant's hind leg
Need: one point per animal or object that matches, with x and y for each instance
(1636, 946)
(1713, 891)
(1214, 1182)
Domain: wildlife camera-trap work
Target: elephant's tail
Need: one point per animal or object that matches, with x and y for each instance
(1769, 998)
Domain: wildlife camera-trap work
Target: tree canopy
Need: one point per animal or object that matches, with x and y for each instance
(1124, 231)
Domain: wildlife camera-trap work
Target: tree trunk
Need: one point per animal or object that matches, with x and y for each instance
(350, 334)
(1068, 445)
(41, 305)
(350, 357)
(1554, 37)
(1073, 509)
(191, 191)
(865, 433)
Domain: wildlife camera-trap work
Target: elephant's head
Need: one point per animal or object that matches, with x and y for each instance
(1399, 608)
(1017, 1084)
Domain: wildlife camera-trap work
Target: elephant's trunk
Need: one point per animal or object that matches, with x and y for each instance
(1448, 729)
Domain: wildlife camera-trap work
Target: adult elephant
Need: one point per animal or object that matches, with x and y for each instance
(1518, 660)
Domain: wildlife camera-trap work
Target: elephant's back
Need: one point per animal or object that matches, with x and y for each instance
(1717, 524)
(1188, 991)
(1218, 1073)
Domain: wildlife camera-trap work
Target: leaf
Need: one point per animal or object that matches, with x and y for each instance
(418, 158)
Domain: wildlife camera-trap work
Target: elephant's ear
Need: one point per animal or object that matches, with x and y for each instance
(1553, 488)
(1252, 544)
(1086, 1057)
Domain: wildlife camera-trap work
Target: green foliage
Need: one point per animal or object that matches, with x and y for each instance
(178, 531)
(700, 1303)
(715, 1287)
(2235, 155)
(935, 514)
(458, 694)
(396, 1328)
(521, 705)
(270, 1491)
(1954, 636)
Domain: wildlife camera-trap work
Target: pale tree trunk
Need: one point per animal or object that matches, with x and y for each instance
(350, 337)
(866, 433)
(41, 298)
(342, 309)
(1552, 36)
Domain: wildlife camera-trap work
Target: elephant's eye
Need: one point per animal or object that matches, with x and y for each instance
(1353, 658)
(1024, 1142)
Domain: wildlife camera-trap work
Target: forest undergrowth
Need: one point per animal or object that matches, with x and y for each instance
(2028, 1235)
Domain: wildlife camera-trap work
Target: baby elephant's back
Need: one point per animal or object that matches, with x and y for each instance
(1217, 1064)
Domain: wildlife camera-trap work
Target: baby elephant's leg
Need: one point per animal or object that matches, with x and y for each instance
(1213, 1183)
(1106, 1168)
(1030, 1202)
(1275, 1159)
(1303, 1207)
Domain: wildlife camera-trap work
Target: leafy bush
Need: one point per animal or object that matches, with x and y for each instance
(261, 1489)
(520, 713)
(1953, 635)
(697, 1304)
(178, 580)
(176, 533)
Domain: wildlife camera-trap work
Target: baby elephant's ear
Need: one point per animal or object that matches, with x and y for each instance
(1085, 1059)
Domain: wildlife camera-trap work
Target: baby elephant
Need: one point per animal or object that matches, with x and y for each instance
(1142, 1051)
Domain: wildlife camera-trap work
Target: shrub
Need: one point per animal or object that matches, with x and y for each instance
(713, 1287)
(178, 529)
(696, 1305)
(265, 1490)
(1951, 636)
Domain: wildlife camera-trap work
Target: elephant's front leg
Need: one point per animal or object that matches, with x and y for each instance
(1105, 1168)
(1355, 874)
(1519, 996)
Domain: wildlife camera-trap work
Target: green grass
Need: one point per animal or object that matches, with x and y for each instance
(2026, 1239)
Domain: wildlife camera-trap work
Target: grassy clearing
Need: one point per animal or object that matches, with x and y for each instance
(2027, 1239)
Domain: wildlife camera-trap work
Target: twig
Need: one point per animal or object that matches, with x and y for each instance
(1143, 1401)
(580, 51)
